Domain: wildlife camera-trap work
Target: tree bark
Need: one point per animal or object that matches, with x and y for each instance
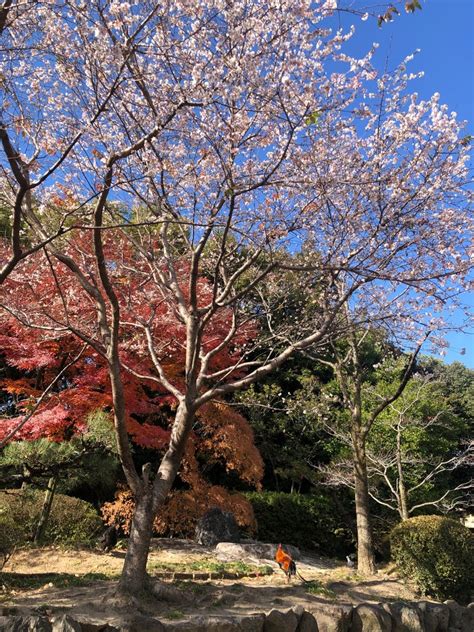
(403, 510)
(402, 490)
(365, 554)
(133, 580)
(46, 509)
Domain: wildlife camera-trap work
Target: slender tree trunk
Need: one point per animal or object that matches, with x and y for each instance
(403, 510)
(26, 476)
(365, 553)
(46, 509)
(402, 490)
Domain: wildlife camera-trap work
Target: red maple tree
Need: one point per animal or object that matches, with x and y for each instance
(50, 318)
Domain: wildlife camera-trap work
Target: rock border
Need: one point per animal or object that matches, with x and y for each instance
(399, 616)
(203, 576)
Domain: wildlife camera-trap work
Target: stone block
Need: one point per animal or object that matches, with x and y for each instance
(371, 618)
(406, 617)
(140, 623)
(307, 623)
(281, 621)
(24, 624)
(246, 623)
(332, 617)
(435, 616)
(460, 618)
(65, 623)
(229, 551)
(89, 626)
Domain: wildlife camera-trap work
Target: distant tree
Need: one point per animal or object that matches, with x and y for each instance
(352, 362)
(86, 459)
(290, 442)
(414, 447)
(456, 383)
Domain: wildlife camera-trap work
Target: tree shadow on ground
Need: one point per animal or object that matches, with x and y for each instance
(368, 590)
(34, 581)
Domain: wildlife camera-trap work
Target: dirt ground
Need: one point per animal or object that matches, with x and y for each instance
(62, 569)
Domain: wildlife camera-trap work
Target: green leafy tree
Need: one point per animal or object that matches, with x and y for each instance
(418, 449)
(352, 363)
(288, 441)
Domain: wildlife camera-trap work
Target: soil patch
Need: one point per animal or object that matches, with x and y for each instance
(82, 583)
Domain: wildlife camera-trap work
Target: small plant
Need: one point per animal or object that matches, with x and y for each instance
(316, 588)
(437, 554)
(174, 614)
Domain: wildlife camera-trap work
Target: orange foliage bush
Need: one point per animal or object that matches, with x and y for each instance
(223, 436)
(227, 437)
(182, 510)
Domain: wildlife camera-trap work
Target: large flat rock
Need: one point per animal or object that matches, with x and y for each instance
(230, 551)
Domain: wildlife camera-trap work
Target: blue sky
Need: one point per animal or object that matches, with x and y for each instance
(444, 32)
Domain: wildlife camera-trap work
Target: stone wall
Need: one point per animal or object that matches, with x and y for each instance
(423, 616)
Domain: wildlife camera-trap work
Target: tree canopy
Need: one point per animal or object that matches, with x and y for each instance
(165, 167)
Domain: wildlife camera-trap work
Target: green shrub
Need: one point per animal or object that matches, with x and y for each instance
(71, 521)
(437, 554)
(11, 535)
(304, 520)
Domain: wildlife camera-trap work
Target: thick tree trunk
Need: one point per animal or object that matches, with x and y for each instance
(365, 553)
(133, 580)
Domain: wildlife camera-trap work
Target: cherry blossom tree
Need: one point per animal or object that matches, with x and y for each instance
(388, 198)
(180, 153)
(378, 206)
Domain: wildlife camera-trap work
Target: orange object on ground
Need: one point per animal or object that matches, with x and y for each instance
(285, 562)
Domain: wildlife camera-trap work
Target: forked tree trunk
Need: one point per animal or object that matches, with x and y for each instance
(365, 554)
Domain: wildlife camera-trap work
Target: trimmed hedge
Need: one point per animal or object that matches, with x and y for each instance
(308, 521)
(71, 521)
(437, 553)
